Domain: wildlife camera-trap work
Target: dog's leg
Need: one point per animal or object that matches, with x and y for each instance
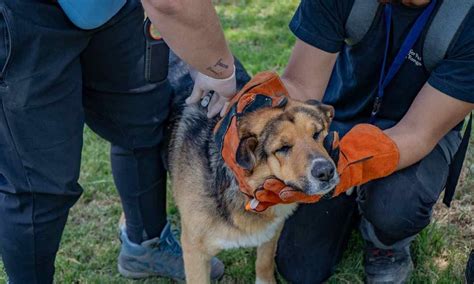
(197, 265)
(265, 264)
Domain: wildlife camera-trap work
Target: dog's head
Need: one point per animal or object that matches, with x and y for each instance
(287, 143)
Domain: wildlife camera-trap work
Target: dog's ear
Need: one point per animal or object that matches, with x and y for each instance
(246, 153)
(328, 112)
(326, 109)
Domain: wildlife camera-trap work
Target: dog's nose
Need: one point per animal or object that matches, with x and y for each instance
(323, 170)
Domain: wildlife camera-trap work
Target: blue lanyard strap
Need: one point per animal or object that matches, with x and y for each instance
(408, 44)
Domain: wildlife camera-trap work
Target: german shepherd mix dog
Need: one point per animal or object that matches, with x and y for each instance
(289, 146)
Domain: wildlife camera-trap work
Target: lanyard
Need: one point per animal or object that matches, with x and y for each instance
(408, 44)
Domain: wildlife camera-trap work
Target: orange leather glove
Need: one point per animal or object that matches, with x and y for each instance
(365, 153)
(274, 191)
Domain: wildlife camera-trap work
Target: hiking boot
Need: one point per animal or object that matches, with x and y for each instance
(387, 266)
(160, 256)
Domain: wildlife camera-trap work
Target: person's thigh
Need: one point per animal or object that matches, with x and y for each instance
(42, 114)
(41, 122)
(121, 105)
(400, 205)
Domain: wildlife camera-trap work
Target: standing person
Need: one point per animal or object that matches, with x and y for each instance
(65, 63)
(384, 79)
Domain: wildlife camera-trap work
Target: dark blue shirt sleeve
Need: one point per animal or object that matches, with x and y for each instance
(321, 23)
(454, 75)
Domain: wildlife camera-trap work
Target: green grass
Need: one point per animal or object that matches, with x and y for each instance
(257, 30)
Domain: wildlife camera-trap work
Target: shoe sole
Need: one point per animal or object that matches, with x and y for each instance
(132, 274)
(390, 280)
(141, 275)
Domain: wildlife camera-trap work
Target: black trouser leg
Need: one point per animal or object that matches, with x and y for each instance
(130, 112)
(141, 182)
(398, 207)
(314, 239)
(41, 125)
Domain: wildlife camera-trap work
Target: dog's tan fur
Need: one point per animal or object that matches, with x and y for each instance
(205, 231)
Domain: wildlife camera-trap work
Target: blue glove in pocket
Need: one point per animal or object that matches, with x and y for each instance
(90, 14)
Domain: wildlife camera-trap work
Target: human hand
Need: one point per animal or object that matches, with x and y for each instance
(221, 91)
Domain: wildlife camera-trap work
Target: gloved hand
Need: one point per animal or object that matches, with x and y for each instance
(223, 90)
(365, 153)
(274, 191)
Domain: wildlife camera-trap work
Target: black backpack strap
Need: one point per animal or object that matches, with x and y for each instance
(443, 30)
(360, 19)
(456, 165)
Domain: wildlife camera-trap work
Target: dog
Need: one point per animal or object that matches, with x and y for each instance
(287, 143)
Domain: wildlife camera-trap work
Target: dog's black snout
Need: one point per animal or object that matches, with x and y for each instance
(323, 170)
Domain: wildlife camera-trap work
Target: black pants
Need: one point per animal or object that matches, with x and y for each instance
(393, 210)
(54, 78)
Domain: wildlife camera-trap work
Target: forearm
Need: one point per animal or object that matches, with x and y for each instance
(431, 116)
(192, 30)
(413, 146)
(307, 74)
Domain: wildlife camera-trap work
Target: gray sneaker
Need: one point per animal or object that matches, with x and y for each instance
(387, 266)
(160, 256)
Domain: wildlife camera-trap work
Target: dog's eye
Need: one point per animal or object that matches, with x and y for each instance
(283, 149)
(316, 135)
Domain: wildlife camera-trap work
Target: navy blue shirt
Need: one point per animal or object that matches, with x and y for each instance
(354, 81)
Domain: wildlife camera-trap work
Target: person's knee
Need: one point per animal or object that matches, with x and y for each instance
(400, 205)
(394, 219)
(131, 121)
(391, 227)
